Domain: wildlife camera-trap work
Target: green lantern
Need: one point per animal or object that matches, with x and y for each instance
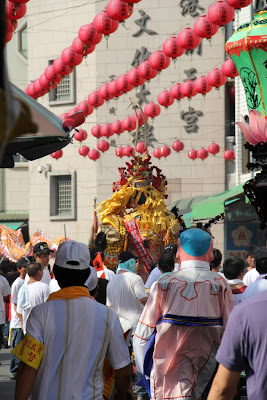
(247, 47)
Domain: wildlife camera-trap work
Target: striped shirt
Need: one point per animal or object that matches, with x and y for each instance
(78, 334)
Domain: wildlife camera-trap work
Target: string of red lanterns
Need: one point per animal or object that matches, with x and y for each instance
(15, 9)
(104, 23)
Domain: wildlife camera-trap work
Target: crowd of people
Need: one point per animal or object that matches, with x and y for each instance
(79, 330)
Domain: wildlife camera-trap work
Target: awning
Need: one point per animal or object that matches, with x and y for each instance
(185, 205)
(214, 205)
(187, 219)
(49, 137)
(13, 225)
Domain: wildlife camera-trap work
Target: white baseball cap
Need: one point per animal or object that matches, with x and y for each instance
(73, 255)
(92, 280)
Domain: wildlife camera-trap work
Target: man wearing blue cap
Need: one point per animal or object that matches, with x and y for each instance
(179, 331)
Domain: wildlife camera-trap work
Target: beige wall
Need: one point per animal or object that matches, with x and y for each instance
(53, 29)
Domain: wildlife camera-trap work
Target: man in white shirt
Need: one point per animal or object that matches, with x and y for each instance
(251, 274)
(41, 253)
(4, 291)
(31, 293)
(260, 284)
(126, 292)
(68, 338)
(15, 323)
(155, 274)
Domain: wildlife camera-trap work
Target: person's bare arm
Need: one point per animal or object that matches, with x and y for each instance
(122, 382)
(19, 317)
(224, 384)
(25, 380)
(143, 300)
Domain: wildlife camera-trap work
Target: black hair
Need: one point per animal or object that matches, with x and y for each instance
(170, 248)
(261, 260)
(94, 251)
(33, 268)
(153, 265)
(232, 267)
(166, 262)
(70, 277)
(250, 251)
(217, 259)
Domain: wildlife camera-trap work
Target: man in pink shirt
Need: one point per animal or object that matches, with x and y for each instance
(180, 329)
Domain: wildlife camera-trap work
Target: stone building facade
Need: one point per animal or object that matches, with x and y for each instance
(51, 27)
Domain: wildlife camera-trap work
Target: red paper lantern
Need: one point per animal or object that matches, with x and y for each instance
(165, 99)
(146, 71)
(187, 39)
(84, 150)
(89, 35)
(82, 48)
(122, 84)
(159, 60)
(204, 28)
(178, 146)
(152, 110)
(11, 25)
(141, 119)
(103, 145)
(61, 68)
(15, 10)
(229, 69)
(45, 83)
(175, 91)
(30, 91)
(188, 89)
(237, 4)
(63, 116)
(38, 89)
(104, 24)
(80, 135)
(119, 10)
(229, 155)
(85, 107)
(94, 154)
(19, 1)
(117, 127)
(202, 153)
(221, 13)
(202, 86)
(50, 74)
(128, 124)
(57, 154)
(165, 151)
(8, 37)
(140, 147)
(171, 48)
(157, 153)
(213, 148)
(128, 151)
(95, 100)
(106, 130)
(104, 92)
(113, 90)
(216, 78)
(119, 151)
(70, 57)
(192, 154)
(96, 131)
(134, 77)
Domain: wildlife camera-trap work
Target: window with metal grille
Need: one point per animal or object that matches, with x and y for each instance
(65, 92)
(62, 195)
